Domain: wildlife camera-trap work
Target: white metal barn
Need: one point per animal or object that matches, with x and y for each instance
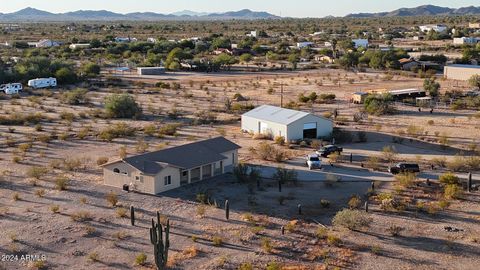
(42, 83)
(291, 124)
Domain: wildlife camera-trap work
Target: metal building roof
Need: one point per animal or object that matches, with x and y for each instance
(276, 114)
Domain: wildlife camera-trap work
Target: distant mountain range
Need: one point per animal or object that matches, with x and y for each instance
(32, 14)
(426, 10)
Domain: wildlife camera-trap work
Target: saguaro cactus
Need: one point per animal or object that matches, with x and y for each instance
(132, 215)
(469, 182)
(366, 206)
(227, 210)
(160, 245)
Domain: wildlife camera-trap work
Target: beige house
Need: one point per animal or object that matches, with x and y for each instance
(166, 169)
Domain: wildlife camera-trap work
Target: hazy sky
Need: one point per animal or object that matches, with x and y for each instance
(293, 8)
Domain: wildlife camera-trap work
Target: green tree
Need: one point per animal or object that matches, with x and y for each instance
(246, 58)
(474, 81)
(122, 106)
(431, 86)
(65, 76)
(91, 69)
(293, 58)
(224, 60)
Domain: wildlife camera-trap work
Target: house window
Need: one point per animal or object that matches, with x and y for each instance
(116, 170)
(167, 180)
(139, 178)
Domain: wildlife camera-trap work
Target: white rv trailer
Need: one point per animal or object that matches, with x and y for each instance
(11, 88)
(42, 83)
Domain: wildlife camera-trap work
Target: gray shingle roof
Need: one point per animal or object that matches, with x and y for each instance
(185, 156)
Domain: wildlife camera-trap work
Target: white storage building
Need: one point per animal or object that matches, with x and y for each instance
(150, 70)
(291, 124)
(460, 72)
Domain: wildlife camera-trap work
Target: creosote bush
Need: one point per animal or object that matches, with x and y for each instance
(112, 198)
(351, 219)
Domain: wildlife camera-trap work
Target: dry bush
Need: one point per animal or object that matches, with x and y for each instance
(267, 245)
(40, 192)
(102, 160)
(351, 219)
(37, 172)
(93, 256)
(61, 182)
(354, 202)
(121, 212)
(55, 208)
(452, 191)
(217, 241)
(141, 259)
(406, 179)
(81, 216)
(112, 198)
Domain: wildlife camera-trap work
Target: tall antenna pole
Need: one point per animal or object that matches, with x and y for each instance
(281, 96)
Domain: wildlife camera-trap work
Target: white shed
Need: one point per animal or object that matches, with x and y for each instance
(291, 124)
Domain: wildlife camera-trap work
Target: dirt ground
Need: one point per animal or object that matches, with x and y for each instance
(253, 232)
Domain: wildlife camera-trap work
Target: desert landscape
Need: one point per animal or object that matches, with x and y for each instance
(400, 192)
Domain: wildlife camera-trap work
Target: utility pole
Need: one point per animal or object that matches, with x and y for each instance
(281, 95)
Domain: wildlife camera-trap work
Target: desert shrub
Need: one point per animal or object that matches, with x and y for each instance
(37, 172)
(452, 191)
(449, 179)
(267, 245)
(121, 212)
(55, 208)
(273, 266)
(389, 153)
(61, 182)
(324, 203)
(378, 104)
(354, 202)
(395, 230)
(373, 163)
(150, 129)
(406, 179)
(241, 172)
(280, 140)
(217, 241)
(16, 196)
(439, 161)
(19, 119)
(201, 210)
(141, 259)
(112, 198)
(75, 97)
(94, 257)
(102, 160)
(321, 232)
(443, 204)
(40, 192)
(333, 240)
(122, 106)
(285, 176)
(351, 219)
(169, 129)
(81, 216)
(118, 130)
(245, 266)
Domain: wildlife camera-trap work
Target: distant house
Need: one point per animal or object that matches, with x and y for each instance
(47, 43)
(290, 124)
(465, 40)
(77, 46)
(460, 72)
(125, 39)
(439, 28)
(408, 63)
(360, 43)
(475, 25)
(222, 50)
(150, 70)
(152, 40)
(317, 33)
(324, 59)
(167, 169)
(252, 34)
(301, 45)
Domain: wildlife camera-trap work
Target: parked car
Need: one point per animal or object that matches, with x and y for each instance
(329, 149)
(313, 162)
(403, 167)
